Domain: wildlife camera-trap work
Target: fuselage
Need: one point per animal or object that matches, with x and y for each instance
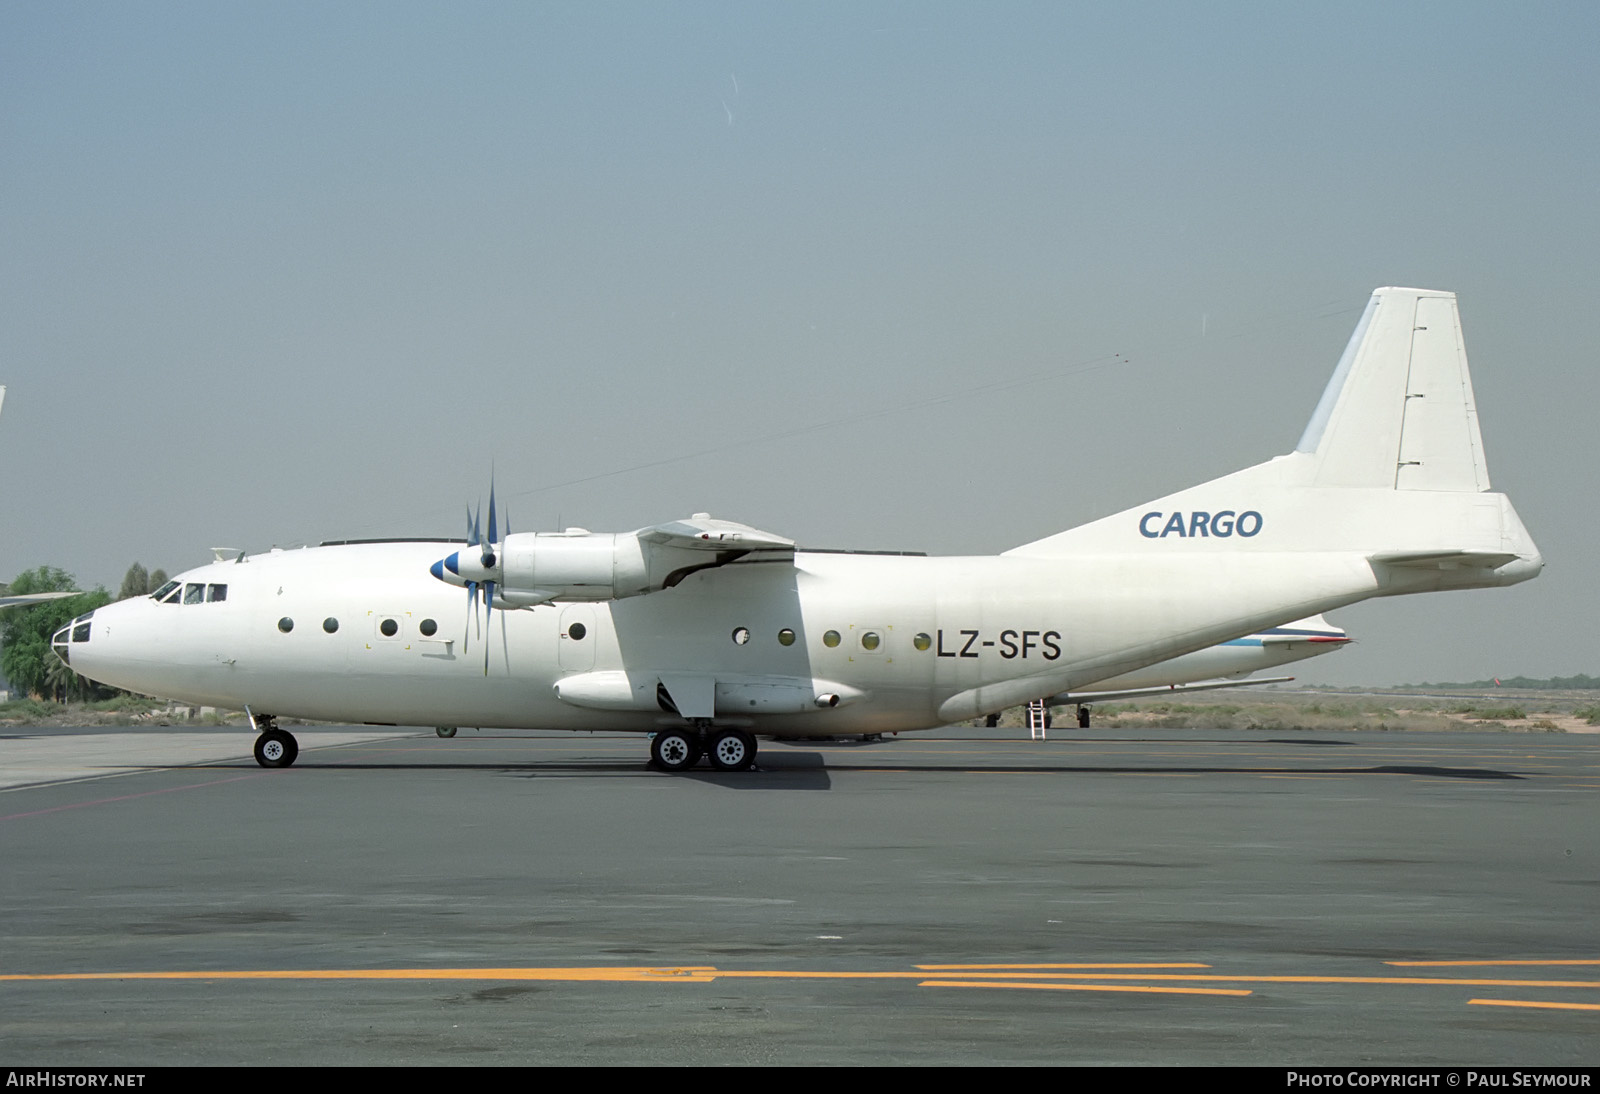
(832, 642)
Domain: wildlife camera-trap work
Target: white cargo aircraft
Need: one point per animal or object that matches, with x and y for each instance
(706, 632)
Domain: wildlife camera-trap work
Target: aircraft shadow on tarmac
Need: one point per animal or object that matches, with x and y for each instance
(803, 771)
(811, 770)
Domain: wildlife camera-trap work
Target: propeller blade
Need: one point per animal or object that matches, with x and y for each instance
(489, 544)
(488, 600)
(472, 611)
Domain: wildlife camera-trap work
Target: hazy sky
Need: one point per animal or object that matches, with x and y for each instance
(934, 277)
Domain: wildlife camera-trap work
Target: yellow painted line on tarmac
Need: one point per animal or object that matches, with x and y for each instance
(1439, 981)
(708, 973)
(1532, 1003)
(1052, 965)
(1035, 986)
(696, 973)
(1473, 964)
(1167, 977)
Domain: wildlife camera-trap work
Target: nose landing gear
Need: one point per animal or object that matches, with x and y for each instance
(275, 747)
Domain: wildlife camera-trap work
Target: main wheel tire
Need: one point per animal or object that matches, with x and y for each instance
(1083, 717)
(675, 749)
(446, 731)
(733, 750)
(276, 748)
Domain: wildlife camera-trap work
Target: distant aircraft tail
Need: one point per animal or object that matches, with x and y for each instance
(1391, 466)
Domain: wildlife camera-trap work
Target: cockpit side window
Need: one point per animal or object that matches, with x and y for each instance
(175, 596)
(194, 594)
(215, 593)
(161, 593)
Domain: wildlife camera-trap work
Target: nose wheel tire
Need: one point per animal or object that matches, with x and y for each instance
(675, 750)
(275, 748)
(733, 750)
(445, 731)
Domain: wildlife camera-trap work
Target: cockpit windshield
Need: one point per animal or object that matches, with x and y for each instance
(195, 592)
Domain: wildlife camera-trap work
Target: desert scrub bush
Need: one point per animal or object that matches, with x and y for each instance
(127, 704)
(28, 708)
(1501, 714)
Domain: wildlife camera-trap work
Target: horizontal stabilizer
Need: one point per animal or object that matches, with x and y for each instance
(1445, 560)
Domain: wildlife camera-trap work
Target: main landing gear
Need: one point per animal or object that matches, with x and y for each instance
(275, 747)
(677, 750)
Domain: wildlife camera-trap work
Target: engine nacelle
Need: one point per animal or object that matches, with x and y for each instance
(532, 568)
(573, 566)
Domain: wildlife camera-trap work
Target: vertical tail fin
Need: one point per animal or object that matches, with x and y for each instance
(1391, 466)
(1399, 412)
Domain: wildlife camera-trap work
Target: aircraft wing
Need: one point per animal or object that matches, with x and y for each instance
(704, 533)
(1067, 697)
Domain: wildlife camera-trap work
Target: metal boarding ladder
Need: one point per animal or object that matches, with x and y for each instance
(1038, 713)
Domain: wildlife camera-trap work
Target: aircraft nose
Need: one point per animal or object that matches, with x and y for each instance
(60, 645)
(82, 643)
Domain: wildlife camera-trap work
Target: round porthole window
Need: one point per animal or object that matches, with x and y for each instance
(870, 640)
(830, 639)
(286, 624)
(577, 631)
(786, 637)
(330, 624)
(922, 642)
(741, 636)
(428, 628)
(389, 628)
